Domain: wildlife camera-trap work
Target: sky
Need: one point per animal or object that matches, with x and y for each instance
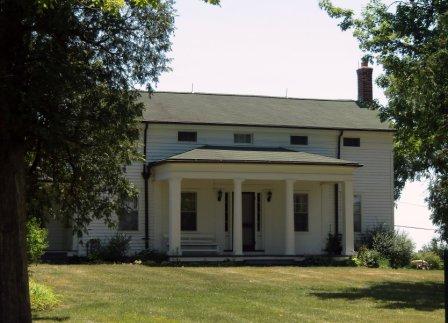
(267, 47)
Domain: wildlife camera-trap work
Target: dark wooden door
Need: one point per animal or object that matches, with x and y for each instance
(248, 221)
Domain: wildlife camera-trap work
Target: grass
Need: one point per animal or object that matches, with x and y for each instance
(42, 297)
(137, 293)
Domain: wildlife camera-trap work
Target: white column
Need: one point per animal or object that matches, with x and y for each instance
(290, 243)
(174, 216)
(348, 231)
(237, 218)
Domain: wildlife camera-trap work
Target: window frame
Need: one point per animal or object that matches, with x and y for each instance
(195, 212)
(307, 140)
(351, 142)
(307, 229)
(134, 210)
(185, 132)
(359, 195)
(244, 134)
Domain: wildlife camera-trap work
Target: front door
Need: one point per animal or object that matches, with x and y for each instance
(248, 221)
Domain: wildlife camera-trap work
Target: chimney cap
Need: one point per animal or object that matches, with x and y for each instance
(364, 62)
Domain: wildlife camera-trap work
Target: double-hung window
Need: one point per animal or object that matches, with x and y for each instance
(301, 212)
(188, 207)
(128, 215)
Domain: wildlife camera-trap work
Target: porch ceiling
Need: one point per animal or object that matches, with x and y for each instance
(254, 155)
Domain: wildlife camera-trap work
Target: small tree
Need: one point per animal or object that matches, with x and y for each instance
(36, 240)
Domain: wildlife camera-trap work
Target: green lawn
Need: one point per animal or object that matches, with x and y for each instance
(136, 293)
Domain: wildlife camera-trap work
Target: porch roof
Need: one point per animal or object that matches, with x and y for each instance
(254, 155)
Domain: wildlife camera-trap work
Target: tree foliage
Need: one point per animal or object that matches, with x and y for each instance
(410, 40)
(69, 120)
(80, 107)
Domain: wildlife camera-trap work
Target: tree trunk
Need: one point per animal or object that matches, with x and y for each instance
(14, 292)
(14, 37)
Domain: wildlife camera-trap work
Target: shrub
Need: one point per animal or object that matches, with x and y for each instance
(94, 249)
(436, 245)
(116, 249)
(334, 244)
(42, 297)
(36, 240)
(370, 258)
(151, 255)
(396, 247)
(433, 259)
(400, 255)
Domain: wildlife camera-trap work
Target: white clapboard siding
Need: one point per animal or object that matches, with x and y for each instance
(99, 230)
(162, 139)
(374, 181)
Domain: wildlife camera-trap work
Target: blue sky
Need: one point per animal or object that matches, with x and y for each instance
(269, 47)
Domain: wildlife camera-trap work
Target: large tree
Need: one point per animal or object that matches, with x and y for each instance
(69, 116)
(409, 39)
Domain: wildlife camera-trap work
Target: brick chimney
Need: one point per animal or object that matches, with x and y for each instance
(364, 82)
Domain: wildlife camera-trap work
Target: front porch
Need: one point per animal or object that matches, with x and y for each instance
(234, 210)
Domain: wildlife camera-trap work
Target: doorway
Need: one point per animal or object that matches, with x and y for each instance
(248, 216)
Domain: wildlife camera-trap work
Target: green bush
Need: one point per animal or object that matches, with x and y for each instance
(396, 247)
(433, 259)
(36, 240)
(94, 249)
(42, 297)
(151, 255)
(370, 258)
(116, 249)
(436, 245)
(334, 244)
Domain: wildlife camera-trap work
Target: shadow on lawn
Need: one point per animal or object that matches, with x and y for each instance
(421, 296)
(50, 318)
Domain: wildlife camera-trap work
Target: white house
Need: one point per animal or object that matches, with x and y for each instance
(239, 176)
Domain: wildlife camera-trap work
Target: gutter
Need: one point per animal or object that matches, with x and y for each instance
(336, 188)
(255, 162)
(146, 174)
(196, 123)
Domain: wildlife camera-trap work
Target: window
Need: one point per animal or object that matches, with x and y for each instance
(300, 212)
(188, 211)
(299, 140)
(189, 136)
(258, 212)
(357, 213)
(352, 142)
(128, 216)
(226, 212)
(242, 138)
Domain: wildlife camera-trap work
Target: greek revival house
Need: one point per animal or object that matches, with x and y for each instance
(252, 176)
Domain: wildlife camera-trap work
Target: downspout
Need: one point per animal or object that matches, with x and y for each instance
(146, 175)
(336, 188)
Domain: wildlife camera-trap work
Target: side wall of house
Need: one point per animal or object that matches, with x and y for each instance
(99, 230)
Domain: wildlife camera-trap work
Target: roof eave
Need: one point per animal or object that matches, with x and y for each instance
(266, 126)
(255, 162)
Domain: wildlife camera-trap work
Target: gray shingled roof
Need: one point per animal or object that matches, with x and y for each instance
(201, 108)
(253, 155)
